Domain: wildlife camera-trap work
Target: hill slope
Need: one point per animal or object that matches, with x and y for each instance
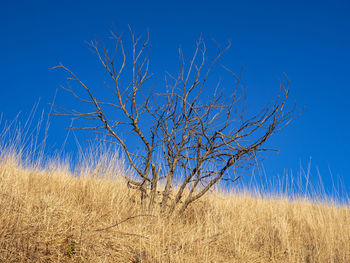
(52, 216)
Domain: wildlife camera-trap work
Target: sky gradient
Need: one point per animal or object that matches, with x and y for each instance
(310, 42)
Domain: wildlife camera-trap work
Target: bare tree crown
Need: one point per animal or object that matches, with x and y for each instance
(190, 142)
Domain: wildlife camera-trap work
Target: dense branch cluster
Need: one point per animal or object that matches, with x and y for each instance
(190, 140)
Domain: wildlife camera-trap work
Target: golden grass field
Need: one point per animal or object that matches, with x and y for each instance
(50, 215)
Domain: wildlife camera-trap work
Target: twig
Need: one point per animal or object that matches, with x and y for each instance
(120, 222)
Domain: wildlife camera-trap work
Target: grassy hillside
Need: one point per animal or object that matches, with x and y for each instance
(50, 215)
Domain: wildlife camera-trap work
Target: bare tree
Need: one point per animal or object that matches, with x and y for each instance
(191, 141)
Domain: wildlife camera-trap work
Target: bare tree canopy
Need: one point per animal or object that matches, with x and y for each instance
(191, 141)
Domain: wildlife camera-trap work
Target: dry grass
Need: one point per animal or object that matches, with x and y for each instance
(51, 215)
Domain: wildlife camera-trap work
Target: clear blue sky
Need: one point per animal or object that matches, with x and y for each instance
(308, 40)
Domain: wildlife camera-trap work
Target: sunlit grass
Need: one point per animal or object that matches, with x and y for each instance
(50, 212)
